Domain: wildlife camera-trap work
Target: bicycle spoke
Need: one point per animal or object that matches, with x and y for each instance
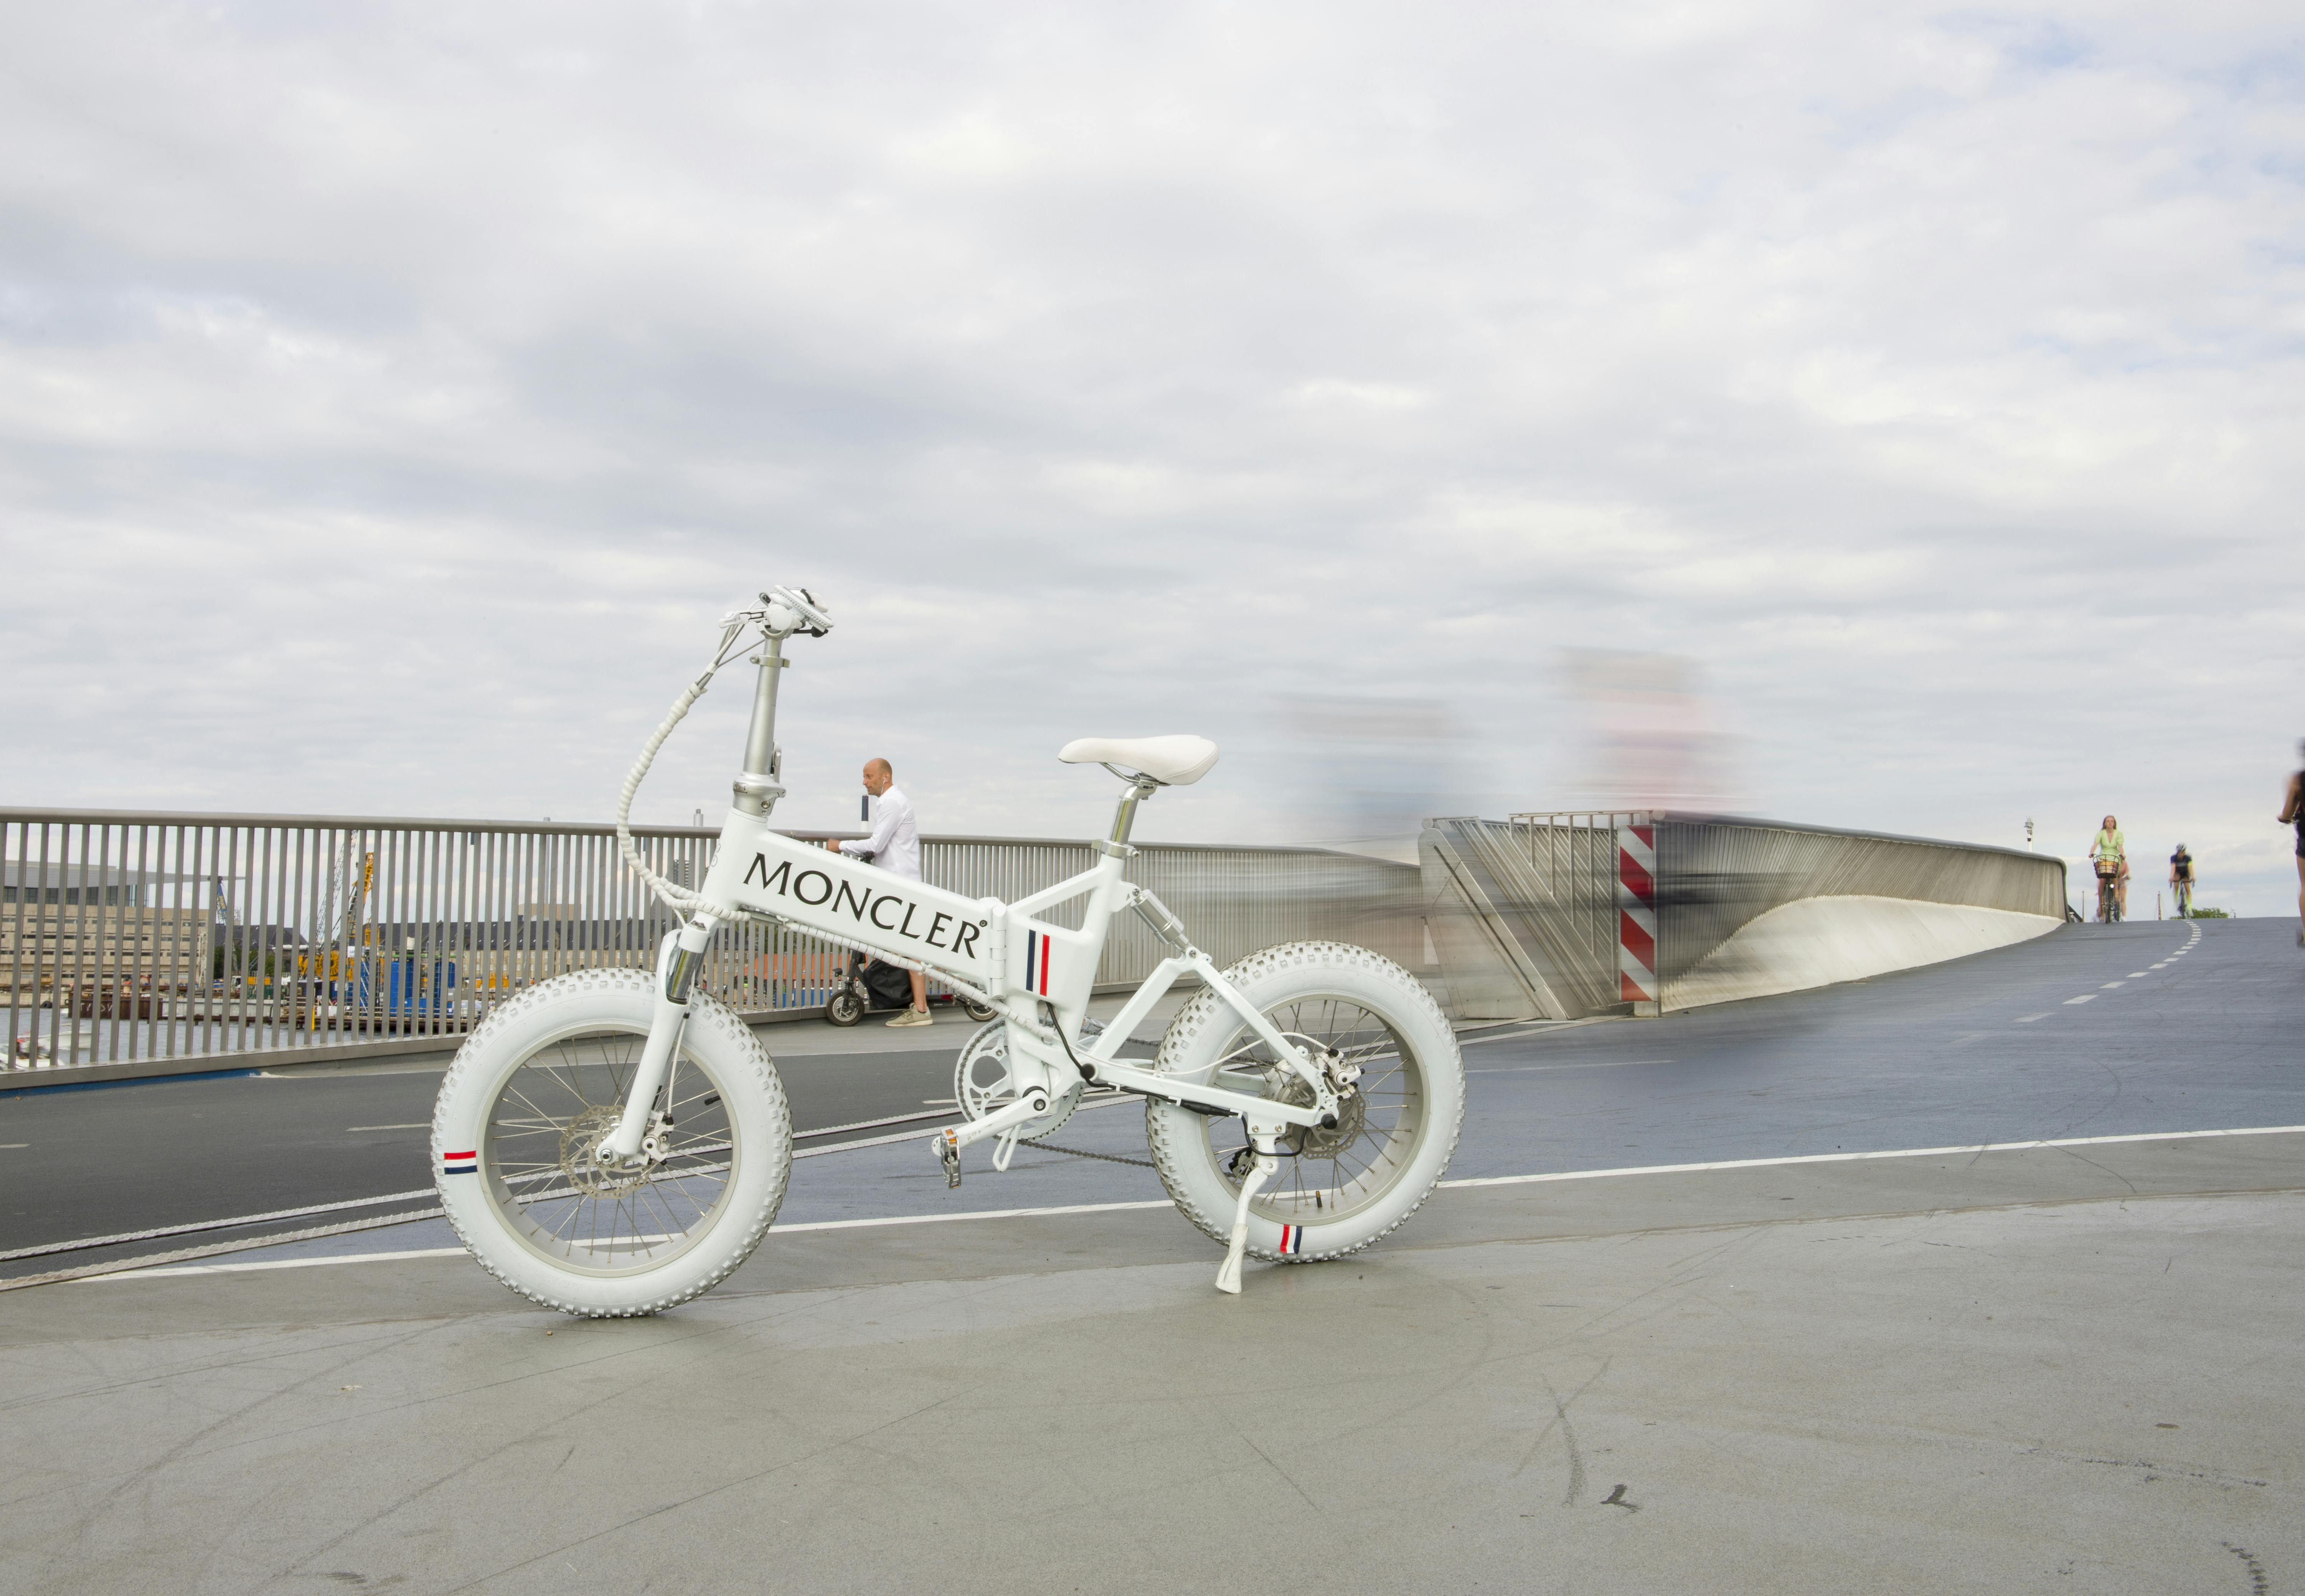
(553, 1110)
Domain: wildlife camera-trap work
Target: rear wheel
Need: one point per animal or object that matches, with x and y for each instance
(1337, 1190)
(530, 1096)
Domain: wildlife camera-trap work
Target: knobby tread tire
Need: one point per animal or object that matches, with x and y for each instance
(617, 993)
(1178, 1137)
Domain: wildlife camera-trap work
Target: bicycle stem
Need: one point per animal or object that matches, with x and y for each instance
(758, 789)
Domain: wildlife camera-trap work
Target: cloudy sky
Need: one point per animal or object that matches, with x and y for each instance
(392, 397)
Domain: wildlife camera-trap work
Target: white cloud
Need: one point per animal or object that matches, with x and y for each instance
(389, 400)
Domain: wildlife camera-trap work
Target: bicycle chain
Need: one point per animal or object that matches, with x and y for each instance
(1110, 1157)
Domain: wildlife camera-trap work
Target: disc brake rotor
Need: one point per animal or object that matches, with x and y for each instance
(1312, 1140)
(590, 1178)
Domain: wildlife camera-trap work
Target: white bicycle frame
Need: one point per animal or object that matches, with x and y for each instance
(1035, 974)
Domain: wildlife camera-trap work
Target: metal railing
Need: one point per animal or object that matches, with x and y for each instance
(1528, 907)
(127, 936)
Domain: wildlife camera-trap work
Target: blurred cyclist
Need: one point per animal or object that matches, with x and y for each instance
(2111, 848)
(2292, 813)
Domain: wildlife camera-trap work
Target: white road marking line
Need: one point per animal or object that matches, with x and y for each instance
(2029, 1019)
(12, 1146)
(1523, 1069)
(422, 1126)
(1859, 1158)
(2136, 975)
(2109, 985)
(1447, 1185)
(276, 1263)
(2084, 998)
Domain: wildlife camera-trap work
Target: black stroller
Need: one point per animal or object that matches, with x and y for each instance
(872, 985)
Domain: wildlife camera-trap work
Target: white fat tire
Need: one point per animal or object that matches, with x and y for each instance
(1179, 1137)
(749, 1088)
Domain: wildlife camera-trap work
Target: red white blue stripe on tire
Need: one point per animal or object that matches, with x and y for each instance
(1292, 1240)
(460, 1163)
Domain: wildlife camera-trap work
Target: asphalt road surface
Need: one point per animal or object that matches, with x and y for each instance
(1674, 1361)
(2156, 1026)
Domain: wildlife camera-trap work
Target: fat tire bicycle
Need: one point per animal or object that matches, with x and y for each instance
(614, 1141)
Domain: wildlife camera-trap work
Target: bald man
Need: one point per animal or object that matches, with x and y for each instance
(894, 846)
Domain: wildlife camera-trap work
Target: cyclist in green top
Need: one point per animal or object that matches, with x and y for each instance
(2111, 848)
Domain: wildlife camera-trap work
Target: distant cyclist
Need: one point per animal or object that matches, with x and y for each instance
(2292, 813)
(2110, 853)
(2181, 880)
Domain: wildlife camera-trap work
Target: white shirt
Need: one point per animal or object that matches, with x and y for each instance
(895, 844)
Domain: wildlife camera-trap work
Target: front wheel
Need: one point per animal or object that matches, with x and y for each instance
(530, 1096)
(845, 1008)
(1338, 1190)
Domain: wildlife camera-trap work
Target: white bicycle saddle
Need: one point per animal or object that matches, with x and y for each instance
(1172, 761)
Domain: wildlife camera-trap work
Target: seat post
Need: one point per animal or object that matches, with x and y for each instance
(1125, 816)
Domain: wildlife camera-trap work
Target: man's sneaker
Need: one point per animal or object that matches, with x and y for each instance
(913, 1016)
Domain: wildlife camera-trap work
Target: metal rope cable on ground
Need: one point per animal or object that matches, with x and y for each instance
(250, 1244)
(154, 1259)
(93, 1242)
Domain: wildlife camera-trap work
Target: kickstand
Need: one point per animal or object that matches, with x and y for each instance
(949, 1157)
(1229, 1272)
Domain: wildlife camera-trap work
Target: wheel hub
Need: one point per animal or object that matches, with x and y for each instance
(589, 1169)
(1312, 1140)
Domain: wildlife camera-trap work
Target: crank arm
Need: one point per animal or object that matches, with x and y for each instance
(1030, 1107)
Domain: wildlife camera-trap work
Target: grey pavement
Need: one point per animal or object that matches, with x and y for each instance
(2069, 1367)
(2008, 1371)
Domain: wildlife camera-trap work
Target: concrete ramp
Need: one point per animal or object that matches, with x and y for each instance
(1816, 942)
(1562, 916)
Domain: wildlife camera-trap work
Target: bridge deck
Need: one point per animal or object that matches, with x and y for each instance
(2070, 1367)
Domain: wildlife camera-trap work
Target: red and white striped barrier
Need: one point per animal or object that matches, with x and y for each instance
(1637, 920)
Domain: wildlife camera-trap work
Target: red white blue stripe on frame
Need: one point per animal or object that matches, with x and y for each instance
(1292, 1240)
(460, 1163)
(1036, 962)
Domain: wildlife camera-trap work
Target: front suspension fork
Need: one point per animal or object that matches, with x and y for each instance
(678, 961)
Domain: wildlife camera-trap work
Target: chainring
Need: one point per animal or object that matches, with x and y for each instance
(981, 1083)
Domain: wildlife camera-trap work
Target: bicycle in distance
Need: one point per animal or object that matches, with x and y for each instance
(2108, 893)
(616, 1141)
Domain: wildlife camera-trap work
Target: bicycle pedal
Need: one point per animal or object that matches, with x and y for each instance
(949, 1157)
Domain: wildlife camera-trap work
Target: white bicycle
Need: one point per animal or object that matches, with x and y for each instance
(613, 1143)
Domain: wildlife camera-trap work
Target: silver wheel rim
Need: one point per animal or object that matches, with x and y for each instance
(549, 1108)
(1317, 1189)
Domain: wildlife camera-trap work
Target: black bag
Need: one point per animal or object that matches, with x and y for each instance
(888, 986)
